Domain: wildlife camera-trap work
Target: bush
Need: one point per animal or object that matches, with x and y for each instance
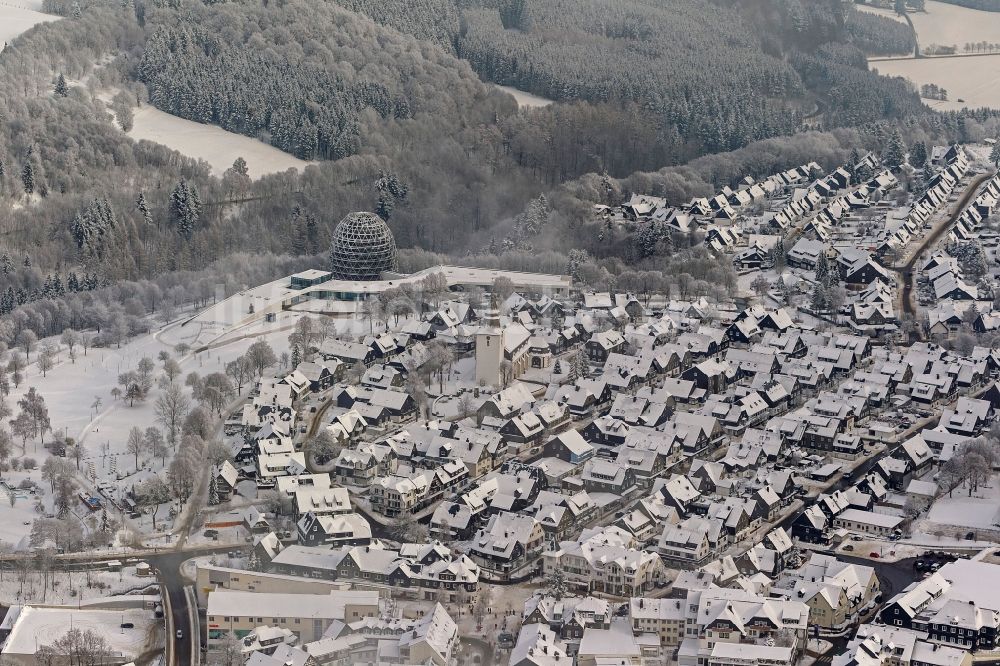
(29, 463)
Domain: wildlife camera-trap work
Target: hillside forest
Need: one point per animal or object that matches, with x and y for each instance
(393, 100)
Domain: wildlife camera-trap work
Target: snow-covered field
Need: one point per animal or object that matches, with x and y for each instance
(951, 25)
(13, 518)
(947, 25)
(17, 16)
(69, 588)
(974, 79)
(982, 510)
(210, 143)
(40, 626)
(526, 100)
(71, 390)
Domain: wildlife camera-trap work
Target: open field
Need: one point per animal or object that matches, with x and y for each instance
(948, 25)
(17, 17)
(980, 510)
(38, 626)
(951, 25)
(71, 391)
(210, 143)
(974, 79)
(526, 100)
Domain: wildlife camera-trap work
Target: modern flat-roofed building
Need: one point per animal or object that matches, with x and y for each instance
(307, 615)
(310, 278)
(211, 578)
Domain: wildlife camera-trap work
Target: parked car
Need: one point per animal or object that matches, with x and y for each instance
(873, 555)
(848, 547)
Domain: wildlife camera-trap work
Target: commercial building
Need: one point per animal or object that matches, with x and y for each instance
(306, 615)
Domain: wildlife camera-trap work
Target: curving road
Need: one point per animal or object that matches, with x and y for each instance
(905, 271)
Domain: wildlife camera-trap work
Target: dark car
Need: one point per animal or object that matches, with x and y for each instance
(128, 625)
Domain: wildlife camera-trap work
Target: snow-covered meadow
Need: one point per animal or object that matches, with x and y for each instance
(951, 25)
(80, 404)
(526, 100)
(69, 587)
(946, 24)
(17, 16)
(210, 143)
(973, 79)
(980, 510)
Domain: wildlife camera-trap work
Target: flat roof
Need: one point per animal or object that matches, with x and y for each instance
(751, 651)
(973, 580)
(454, 275)
(311, 274)
(216, 319)
(235, 603)
(275, 576)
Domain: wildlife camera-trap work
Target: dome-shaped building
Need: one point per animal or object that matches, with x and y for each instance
(363, 248)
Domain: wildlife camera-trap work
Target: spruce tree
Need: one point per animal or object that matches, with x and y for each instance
(28, 178)
(298, 235)
(894, 151)
(143, 208)
(240, 167)
(61, 89)
(822, 270)
(852, 164)
(918, 154)
(820, 297)
(213, 490)
(312, 234)
(185, 208)
(995, 153)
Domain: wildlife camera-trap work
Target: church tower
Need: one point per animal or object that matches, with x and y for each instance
(489, 348)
